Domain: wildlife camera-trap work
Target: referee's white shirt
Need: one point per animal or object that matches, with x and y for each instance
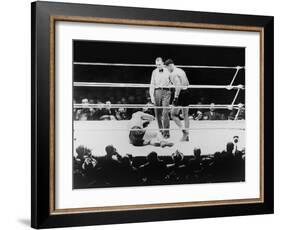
(160, 78)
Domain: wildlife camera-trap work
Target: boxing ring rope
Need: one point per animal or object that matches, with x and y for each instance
(162, 129)
(132, 85)
(136, 85)
(136, 106)
(152, 65)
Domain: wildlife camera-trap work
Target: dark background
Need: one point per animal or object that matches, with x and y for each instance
(145, 53)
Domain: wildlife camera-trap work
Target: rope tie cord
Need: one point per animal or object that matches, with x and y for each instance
(235, 97)
(235, 74)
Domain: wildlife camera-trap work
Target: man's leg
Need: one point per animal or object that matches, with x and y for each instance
(186, 119)
(158, 112)
(175, 116)
(185, 136)
(166, 120)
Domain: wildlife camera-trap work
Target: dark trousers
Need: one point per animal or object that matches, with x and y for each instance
(162, 98)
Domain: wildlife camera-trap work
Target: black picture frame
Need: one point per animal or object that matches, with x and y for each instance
(43, 14)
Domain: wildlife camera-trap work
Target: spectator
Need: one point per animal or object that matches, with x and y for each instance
(84, 113)
(231, 115)
(131, 99)
(115, 170)
(216, 168)
(177, 170)
(112, 154)
(79, 178)
(99, 112)
(212, 114)
(108, 112)
(82, 152)
(239, 165)
(111, 165)
(228, 154)
(154, 171)
(128, 174)
(198, 115)
(224, 164)
(195, 161)
(90, 169)
(121, 114)
(123, 100)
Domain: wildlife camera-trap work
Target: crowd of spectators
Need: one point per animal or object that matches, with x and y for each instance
(104, 110)
(115, 170)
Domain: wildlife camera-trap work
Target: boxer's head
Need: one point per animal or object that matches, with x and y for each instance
(169, 63)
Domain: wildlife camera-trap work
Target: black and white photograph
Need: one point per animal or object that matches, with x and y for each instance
(157, 114)
(147, 114)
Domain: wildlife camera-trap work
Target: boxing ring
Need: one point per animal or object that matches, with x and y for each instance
(209, 135)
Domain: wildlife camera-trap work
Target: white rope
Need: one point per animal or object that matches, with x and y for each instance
(131, 85)
(156, 129)
(136, 106)
(152, 65)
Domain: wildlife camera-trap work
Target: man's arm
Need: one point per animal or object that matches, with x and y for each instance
(147, 116)
(180, 81)
(177, 84)
(118, 156)
(187, 81)
(152, 88)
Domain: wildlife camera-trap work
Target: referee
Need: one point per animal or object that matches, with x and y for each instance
(160, 95)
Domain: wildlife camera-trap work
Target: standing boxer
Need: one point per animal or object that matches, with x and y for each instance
(160, 95)
(181, 98)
